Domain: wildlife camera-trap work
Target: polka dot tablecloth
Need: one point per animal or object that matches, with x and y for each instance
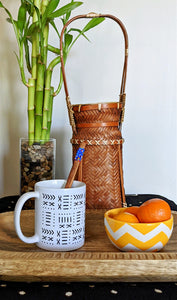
(88, 290)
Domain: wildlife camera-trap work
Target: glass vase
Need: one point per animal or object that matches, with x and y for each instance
(37, 163)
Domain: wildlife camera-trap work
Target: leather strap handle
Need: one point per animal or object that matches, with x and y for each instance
(124, 73)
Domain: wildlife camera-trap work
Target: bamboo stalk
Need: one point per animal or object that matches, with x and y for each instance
(35, 43)
(46, 34)
(47, 95)
(44, 4)
(39, 99)
(41, 70)
(45, 31)
(35, 51)
(61, 77)
(49, 115)
(60, 84)
(53, 49)
(31, 95)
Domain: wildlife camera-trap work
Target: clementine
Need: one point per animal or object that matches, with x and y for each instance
(126, 217)
(154, 210)
(132, 209)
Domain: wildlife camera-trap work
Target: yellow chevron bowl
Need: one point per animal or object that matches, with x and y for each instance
(137, 236)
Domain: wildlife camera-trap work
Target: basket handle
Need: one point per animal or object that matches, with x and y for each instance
(124, 73)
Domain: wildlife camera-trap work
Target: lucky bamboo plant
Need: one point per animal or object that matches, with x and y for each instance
(35, 17)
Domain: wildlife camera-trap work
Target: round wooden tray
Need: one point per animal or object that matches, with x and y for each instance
(97, 260)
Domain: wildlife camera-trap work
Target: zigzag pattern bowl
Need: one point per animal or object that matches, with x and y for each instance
(137, 236)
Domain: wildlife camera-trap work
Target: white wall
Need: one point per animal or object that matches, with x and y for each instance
(93, 72)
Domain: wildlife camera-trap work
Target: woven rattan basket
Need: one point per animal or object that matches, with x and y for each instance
(100, 126)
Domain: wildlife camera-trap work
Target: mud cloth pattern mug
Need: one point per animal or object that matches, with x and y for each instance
(59, 215)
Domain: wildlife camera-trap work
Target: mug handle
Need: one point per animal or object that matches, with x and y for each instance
(17, 213)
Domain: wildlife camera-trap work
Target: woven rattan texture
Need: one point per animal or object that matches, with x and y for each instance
(101, 170)
(96, 115)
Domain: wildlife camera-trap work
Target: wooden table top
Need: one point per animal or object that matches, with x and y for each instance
(97, 260)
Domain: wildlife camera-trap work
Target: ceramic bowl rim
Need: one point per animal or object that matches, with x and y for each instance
(106, 216)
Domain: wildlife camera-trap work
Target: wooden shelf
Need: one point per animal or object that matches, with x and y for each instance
(97, 260)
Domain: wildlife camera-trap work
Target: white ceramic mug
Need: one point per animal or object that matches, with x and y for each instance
(59, 215)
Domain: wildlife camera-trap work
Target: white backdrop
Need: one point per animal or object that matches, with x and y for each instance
(93, 71)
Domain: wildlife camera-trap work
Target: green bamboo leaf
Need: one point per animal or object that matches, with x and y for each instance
(68, 15)
(63, 21)
(65, 9)
(26, 27)
(80, 31)
(27, 56)
(34, 7)
(54, 26)
(52, 5)
(28, 6)
(21, 18)
(33, 27)
(68, 40)
(38, 14)
(38, 24)
(26, 45)
(92, 23)
(13, 23)
(30, 2)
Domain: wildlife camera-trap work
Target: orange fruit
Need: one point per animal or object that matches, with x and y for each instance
(154, 210)
(126, 217)
(132, 209)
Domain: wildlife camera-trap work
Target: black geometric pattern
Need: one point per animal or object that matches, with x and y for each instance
(48, 196)
(62, 219)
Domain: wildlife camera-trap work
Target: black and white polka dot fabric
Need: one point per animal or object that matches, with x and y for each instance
(88, 291)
